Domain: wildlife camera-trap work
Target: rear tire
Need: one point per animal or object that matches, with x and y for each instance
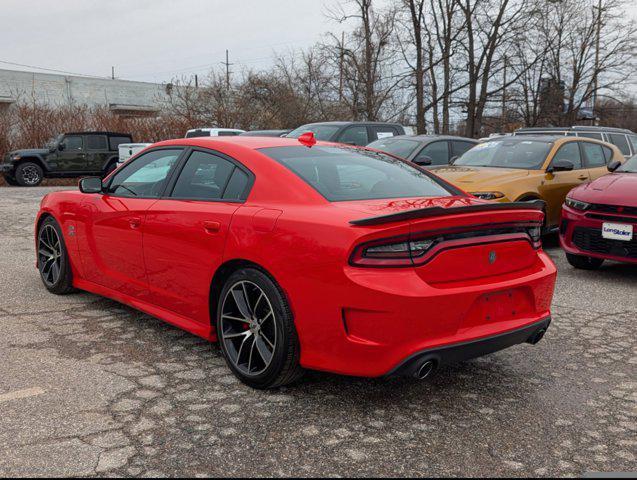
(29, 174)
(584, 263)
(53, 258)
(256, 331)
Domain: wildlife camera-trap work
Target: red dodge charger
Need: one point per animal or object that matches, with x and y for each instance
(299, 255)
(599, 219)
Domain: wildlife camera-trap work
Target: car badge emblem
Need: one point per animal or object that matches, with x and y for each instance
(492, 257)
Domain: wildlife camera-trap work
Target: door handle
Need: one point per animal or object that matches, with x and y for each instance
(211, 227)
(135, 222)
(582, 177)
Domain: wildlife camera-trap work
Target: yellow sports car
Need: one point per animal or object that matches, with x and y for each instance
(509, 169)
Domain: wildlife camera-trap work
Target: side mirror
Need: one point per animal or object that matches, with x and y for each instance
(61, 147)
(91, 185)
(424, 160)
(614, 165)
(561, 166)
(453, 159)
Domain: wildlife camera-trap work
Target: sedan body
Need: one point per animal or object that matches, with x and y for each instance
(599, 220)
(361, 264)
(425, 150)
(523, 168)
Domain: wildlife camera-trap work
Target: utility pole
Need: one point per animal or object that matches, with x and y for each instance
(504, 95)
(113, 73)
(196, 81)
(595, 73)
(340, 68)
(228, 72)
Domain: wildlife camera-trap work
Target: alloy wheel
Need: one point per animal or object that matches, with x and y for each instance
(50, 255)
(248, 328)
(30, 175)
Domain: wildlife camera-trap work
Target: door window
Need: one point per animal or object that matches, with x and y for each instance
(594, 155)
(73, 144)
(210, 177)
(96, 142)
(355, 136)
(570, 153)
(146, 176)
(620, 140)
(633, 140)
(438, 152)
(380, 132)
(596, 136)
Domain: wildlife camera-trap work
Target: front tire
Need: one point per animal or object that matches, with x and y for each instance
(29, 174)
(53, 258)
(256, 331)
(584, 263)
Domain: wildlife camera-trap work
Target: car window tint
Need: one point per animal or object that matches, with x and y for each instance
(507, 153)
(341, 173)
(96, 142)
(197, 133)
(115, 142)
(224, 133)
(458, 148)
(633, 140)
(594, 155)
(438, 152)
(396, 146)
(204, 176)
(236, 188)
(356, 135)
(608, 154)
(146, 175)
(570, 153)
(596, 136)
(620, 140)
(72, 143)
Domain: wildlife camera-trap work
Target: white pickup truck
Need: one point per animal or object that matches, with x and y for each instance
(127, 150)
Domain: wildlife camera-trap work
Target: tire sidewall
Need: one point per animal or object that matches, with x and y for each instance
(282, 315)
(20, 179)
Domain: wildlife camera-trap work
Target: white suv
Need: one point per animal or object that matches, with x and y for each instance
(213, 132)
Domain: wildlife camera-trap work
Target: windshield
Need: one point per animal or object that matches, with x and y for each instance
(53, 141)
(525, 155)
(342, 173)
(630, 166)
(400, 147)
(320, 131)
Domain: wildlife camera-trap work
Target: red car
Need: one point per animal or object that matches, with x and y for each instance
(599, 219)
(297, 255)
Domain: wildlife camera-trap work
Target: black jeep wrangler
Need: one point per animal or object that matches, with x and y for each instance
(68, 155)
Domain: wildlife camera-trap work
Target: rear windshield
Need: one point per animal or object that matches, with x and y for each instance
(526, 155)
(400, 147)
(320, 131)
(342, 173)
(197, 133)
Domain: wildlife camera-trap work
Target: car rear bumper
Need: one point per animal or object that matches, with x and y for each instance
(581, 235)
(472, 349)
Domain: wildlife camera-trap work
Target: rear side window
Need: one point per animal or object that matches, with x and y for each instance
(436, 153)
(237, 185)
(594, 155)
(570, 153)
(458, 148)
(596, 136)
(115, 142)
(204, 176)
(341, 173)
(620, 140)
(633, 140)
(380, 132)
(96, 142)
(354, 136)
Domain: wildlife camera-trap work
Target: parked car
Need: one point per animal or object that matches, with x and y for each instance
(68, 155)
(128, 150)
(622, 138)
(332, 258)
(425, 150)
(213, 132)
(599, 219)
(266, 133)
(351, 133)
(522, 168)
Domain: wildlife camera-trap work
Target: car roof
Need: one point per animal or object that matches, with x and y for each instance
(341, 123)
(244, 141)
(113, 134)
(576, 128)
(528, 138)
(425, 137)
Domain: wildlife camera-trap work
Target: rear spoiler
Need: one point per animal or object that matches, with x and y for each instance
(440, 212)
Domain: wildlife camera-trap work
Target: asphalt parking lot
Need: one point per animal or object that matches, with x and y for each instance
(90, 387)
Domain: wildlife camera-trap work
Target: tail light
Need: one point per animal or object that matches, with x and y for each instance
(403, 251)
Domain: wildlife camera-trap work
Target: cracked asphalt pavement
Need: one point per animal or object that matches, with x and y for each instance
(89, 387)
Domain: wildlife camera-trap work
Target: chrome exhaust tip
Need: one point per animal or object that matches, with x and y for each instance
(425, 370)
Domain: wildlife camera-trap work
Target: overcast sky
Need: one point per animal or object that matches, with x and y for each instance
(157, 40)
